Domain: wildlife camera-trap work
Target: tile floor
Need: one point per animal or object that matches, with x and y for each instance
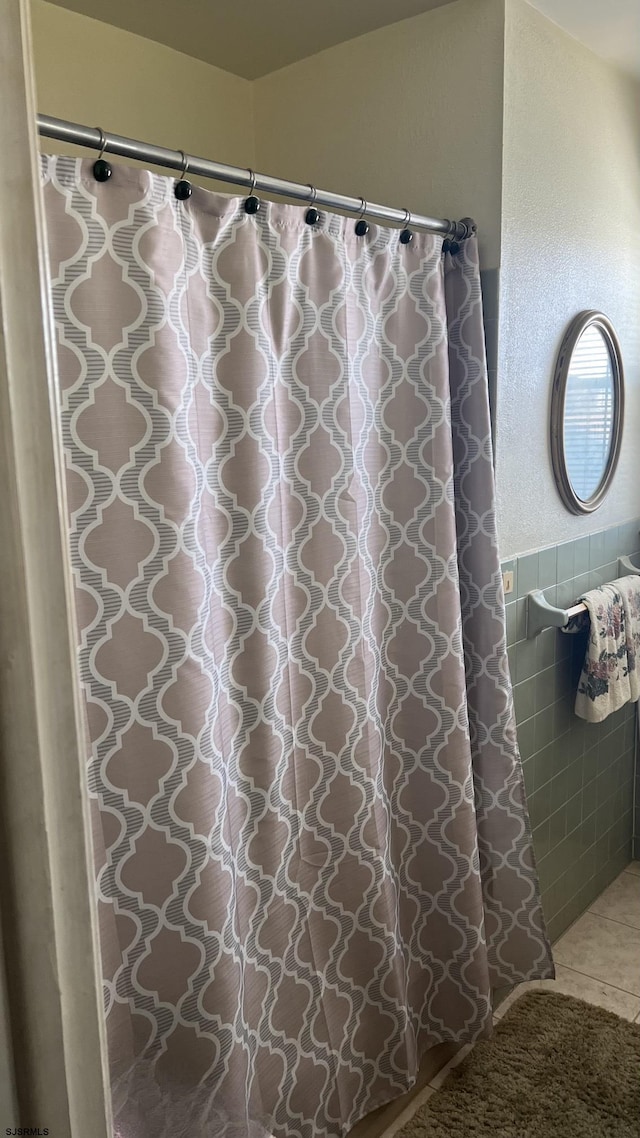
(597, 960)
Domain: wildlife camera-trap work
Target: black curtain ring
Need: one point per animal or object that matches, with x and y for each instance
(101, 169)
(252, 204)
(362, 226)
(182, 188)
(312, 213)
(452, 245)
(406, 235)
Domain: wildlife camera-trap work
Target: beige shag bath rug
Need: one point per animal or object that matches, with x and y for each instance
(554, 1068)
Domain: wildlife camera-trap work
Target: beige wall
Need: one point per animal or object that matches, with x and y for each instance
(570, 241)
(544, 151)
(99, 75)
(409, 115)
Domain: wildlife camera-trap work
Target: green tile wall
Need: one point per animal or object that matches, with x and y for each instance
(580, 777)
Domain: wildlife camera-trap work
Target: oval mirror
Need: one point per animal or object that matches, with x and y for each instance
(587, 407)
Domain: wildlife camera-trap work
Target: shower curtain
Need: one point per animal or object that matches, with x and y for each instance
(313, 856)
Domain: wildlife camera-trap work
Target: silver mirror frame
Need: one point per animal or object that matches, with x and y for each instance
(563, 363)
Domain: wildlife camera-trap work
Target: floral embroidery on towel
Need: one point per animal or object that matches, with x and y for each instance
(633, 624)
(609, 674)
(598, 671)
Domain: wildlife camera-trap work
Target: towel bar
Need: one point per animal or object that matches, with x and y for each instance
(541, 614)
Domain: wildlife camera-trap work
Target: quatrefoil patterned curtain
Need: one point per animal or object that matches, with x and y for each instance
(313, 857)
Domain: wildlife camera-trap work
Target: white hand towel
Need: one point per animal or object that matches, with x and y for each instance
(609, 675)
(629, 588)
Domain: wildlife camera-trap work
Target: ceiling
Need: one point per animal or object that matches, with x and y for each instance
(253, 37)
(611, 28)
(250, 37)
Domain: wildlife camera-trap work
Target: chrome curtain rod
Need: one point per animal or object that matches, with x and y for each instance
(95, 139)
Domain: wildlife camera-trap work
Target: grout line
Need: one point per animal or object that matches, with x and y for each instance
(408, 1113)
(599, 980)
(612, 920)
